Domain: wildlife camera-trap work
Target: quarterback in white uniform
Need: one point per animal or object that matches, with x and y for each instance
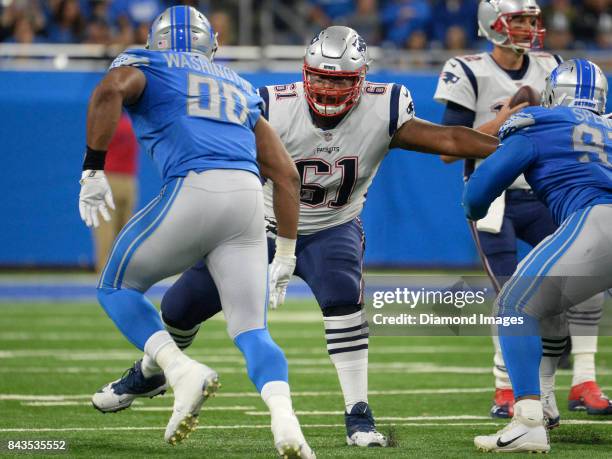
(476, 90)
(338, 128)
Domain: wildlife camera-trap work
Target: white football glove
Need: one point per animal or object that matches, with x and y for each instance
(280, 272)
(95, 195)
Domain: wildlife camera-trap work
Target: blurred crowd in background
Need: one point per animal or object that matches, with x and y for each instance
(403, 24)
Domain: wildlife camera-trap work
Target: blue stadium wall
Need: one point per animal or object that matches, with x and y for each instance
(412, 216)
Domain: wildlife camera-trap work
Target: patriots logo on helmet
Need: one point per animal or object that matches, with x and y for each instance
(360, 44)
(449, 77)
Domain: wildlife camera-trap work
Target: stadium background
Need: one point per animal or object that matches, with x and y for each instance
(412, 216)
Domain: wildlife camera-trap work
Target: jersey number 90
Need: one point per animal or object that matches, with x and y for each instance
(225, 101)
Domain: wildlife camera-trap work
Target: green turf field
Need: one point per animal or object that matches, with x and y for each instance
(431, 394)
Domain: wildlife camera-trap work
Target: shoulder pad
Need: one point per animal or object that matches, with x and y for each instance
(519, 121)
(131, 58)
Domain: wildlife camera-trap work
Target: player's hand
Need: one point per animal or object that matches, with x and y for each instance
(506, 112)
(279, 274)
(94, 197)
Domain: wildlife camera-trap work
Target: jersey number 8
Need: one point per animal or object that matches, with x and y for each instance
(215, 94)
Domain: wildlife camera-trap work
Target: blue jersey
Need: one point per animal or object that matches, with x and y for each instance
(193, 115)
(565, 154)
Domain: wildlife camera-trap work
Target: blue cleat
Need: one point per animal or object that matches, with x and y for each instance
(119, 395)
(361, 428)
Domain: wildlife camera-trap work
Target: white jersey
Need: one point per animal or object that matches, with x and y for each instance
(336, 165)
(478, 83)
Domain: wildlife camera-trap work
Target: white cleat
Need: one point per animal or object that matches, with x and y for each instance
(367, 439)
(289, 439)
(193, 383)
(515, 437)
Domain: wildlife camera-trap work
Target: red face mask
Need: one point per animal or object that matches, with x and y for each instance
(531, 37)
(332, 92)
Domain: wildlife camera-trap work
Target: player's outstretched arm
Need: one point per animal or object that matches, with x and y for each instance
(496, 174)
(457, 141)
(122, 85)
(276, 164)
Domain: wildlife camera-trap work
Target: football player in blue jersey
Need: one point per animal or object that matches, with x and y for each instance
(565, 151)
(202, 125)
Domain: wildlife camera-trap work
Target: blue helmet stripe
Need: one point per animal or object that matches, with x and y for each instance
(188, 28)
(586, 80)
(578, 79)
(593, 77)
(181, 32)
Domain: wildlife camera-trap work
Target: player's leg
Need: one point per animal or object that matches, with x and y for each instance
(330, 262)
(565, 269)
(161, 240)
(498, 255)
(583, 328)
(239, 267)
(191, 300)
(534, 223)
(585, 393)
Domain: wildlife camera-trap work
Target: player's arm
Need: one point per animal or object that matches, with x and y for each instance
(456, 141)
(122, 85)
(276, 164)
(456, 115)
(496, 174)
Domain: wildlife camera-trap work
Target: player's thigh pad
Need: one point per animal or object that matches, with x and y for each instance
(566, 268)
(331, 263)
(239, 265)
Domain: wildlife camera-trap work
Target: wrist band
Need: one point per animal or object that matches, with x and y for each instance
(94, 159)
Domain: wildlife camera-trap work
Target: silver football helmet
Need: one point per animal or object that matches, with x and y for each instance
(494, 23)
(182, 28)
(335, 66)
(576, 83)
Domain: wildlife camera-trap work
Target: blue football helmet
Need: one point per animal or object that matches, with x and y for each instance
(576, 83)
(182, 28)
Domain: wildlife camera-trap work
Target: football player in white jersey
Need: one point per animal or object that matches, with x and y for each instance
(476, 89)
(338, 128)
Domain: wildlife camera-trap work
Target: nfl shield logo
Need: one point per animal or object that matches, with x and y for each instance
(327, 136)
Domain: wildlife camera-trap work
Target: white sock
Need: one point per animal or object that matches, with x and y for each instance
(347, 345)
(529, 412)
(502, 379)
(149, 367)
(161, 348)
(548, 368)
(584, 368)
(277, 396)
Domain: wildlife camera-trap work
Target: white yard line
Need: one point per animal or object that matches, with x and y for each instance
(267, 426)
(221, 394)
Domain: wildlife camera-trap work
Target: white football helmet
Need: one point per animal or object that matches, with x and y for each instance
(494, 23)
(182, 28)
(337, 52)
(576, 83)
